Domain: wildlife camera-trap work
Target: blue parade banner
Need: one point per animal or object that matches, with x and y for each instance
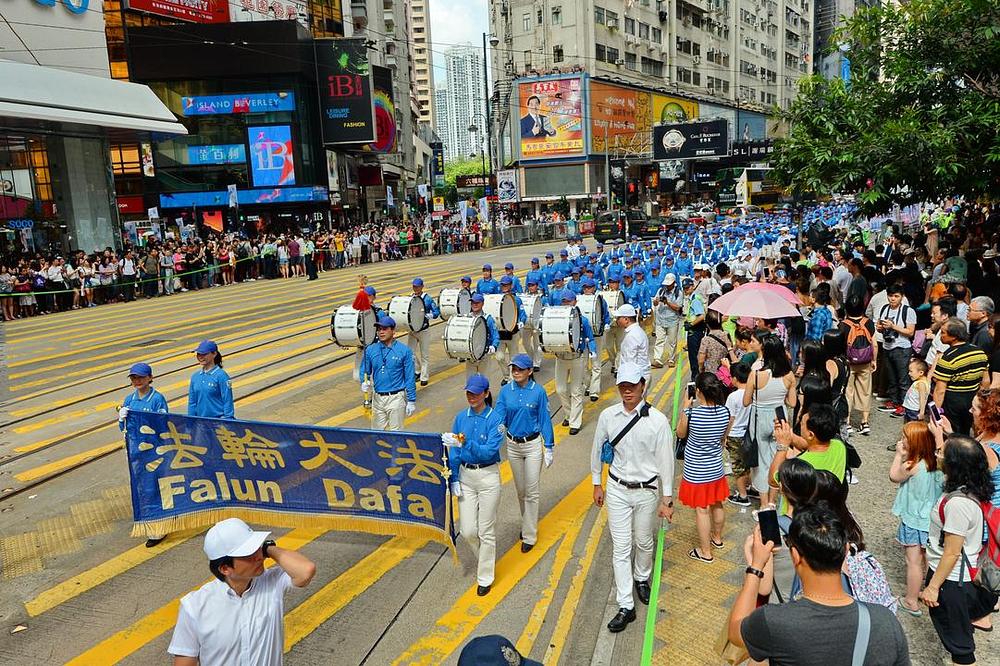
(189, 472)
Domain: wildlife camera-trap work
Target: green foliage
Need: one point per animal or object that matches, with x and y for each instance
(465, 167)
(920, 118)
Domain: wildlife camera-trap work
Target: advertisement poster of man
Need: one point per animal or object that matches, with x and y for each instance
(551, 118)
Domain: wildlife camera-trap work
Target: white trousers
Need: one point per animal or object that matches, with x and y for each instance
(506, 351)
(477, 515)
(569, 387)
(632, 520)
(359, 354)
(666, 341)
(595, 367)
(526, 466)
(480, 367)
(529, 340)
(613, 343)
(420, 344)
(388, 411)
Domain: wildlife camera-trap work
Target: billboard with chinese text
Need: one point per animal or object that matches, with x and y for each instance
(622, 114)
(550, 118)
(200, 11)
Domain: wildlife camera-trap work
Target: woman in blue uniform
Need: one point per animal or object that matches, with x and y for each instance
(211, 392)
(143, 398)
(475, 475)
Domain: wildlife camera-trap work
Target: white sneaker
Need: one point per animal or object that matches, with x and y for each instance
(852, 478)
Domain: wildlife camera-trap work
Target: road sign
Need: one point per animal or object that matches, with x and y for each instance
(438, 204)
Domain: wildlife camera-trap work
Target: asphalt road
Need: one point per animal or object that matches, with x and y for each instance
(88, 593)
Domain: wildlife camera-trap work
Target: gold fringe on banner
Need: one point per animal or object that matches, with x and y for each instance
(269, 518)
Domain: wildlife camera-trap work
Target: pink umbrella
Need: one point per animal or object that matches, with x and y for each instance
(781, 290)
(755, 300)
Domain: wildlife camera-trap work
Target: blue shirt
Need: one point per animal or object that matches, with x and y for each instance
(431, 309)
(487, 286)
(587, 335)
(555, 296)
(491, 330)
(684, 267)
(391, 368)
(211, 394)
(515, 283)
(484, 434)
(636, 295)
(539, 276)
(525, 411)
(153, 402)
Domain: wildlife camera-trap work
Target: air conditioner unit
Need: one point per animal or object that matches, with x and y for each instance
(509, 69)
(687, 22)
(664, 16)
(697, 60)
(620, 62)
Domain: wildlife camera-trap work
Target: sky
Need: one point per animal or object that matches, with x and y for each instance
(455, 22)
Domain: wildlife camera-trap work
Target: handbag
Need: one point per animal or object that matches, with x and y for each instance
(608, 448)
(853, 457)
(730, 653)
(749, 447)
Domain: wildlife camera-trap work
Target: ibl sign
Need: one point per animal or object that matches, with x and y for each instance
(77, 7)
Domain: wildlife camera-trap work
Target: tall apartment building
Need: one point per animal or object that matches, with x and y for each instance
(441, 111)
(465, 103)
(423, 62)
(737, 51)
(829, 60)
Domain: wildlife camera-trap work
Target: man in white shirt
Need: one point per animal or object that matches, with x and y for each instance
(238, 618)
(841, 276)
(640, 486)
(634, 346)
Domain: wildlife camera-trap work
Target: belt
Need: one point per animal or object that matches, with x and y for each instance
(389, 393)
(527, 438)
(478, 465)
(634, 485)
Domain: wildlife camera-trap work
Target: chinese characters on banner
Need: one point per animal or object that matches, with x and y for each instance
(551, 118)
(190, 472)
(507, 186)
(623, 114)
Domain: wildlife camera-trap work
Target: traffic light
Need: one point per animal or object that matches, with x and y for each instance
(632, 191)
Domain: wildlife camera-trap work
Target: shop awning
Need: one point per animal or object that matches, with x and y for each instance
(45, 94)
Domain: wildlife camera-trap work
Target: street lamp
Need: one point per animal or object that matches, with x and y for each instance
(473, 129)
(494, 42)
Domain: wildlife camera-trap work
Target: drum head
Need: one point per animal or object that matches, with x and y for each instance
(417, 316)
(508, 313)
(464, 303)
(532, 309)
(478, 342)
(366, 327)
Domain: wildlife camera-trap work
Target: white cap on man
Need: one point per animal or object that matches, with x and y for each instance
(670, 279)
(629, 373)
(626, 310)
(232, 538)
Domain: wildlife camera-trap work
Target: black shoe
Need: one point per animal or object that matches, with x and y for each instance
(525, 547)
(565, 422)
(753, 492)
(642, 591)
(423, 382)
(153, 541)
(593, 398)
(621, 620)
(503, 382)
(574, 431)
(536, 368)
(483, 590)
(587, 392)
(738, 500)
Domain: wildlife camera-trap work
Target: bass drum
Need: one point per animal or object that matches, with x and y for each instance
(466, 337)
(614, 299)
(591, 307)
(503, 309)
(353, 328)
(455, 302)
(532, 304)
(408, 311)
(560, 331)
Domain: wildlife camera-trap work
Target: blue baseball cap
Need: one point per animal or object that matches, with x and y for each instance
(206, 347)
(370, 291)
(477, 298)
(627, 274)
(548, 255)
(558, 276)
(487, 267)
(385, 321)
(589, 282)
(506, 279)
(563, 253)
(508, 266)
(522, 361)
(534, 260)
(418, 282)
(576, 270)
(600, 245)
(614, 277)
(568, 295)
(466, 278)
(531, 280)
(477, 384)
(140, 370)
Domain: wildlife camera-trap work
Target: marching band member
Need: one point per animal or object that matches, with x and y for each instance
(524, 406)
(549, 271)
(508, 271)
(529, 336)
(364, 300)
(466, 282)
(477, 367)
(555, 290)
(565, 266)
(389, 365)
(421, 340)
(640, 485)
(508, 343)
(569, 372)
(475, 475)
(594, 387)
(613, 338)
(487, 285)
(210, 392)
(537, 273)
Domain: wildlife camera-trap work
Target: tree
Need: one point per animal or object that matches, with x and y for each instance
(919, 119)
(466, 167)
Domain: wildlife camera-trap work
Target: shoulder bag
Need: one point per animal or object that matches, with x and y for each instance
(749, 448)
(608, 448)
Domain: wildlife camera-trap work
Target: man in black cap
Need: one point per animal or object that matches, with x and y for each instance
(493, 650)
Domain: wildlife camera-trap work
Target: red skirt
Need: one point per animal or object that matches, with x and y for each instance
(701, 495)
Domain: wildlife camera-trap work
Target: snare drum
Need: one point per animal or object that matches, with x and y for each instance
(560, 331)
(455, 302)
(532, 304)
(466, 337)
(353, 328)
(408, 311)
(591, 307)
(503, 309)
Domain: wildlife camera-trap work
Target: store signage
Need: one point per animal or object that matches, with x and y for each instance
(213, 105)
(131, 205)
(227, 153)
(196, 11)
(680, 141)
(20, 224)
(269, 10)
(437, 165)
(473, 181)
(220, 199)
(385, 111)
(347, 111)
(272, 157)
(753, 149)
(74, 6)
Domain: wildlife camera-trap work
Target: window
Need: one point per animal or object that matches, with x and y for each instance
(557, 54)
(539, 16)
(629, 26)
(630, 61)
(557, 16)
(526, 22)
(600, 53)
(125, 159)
(613, 55)
(695, 49)
(612, 19)
(652, 67)
(599, 15)
(656, 36)
(643, 31)
(527, 59)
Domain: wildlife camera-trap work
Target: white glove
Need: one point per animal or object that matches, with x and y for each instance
(549, 455)
(593, 357)
(456, 489)
(410, 408)
(491, 350)
(365, 387)
(123, 413)
(451, 439)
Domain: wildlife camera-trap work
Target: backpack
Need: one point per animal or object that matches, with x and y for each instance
(859, 341)
(866, 580)
(987, 576)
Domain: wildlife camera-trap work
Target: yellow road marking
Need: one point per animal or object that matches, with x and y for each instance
(568, 610)
(456, 624)
(537, 617)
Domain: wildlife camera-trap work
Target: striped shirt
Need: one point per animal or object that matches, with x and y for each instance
(961, 368)
(703, 451)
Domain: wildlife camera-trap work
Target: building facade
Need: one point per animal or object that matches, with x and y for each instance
(423, 61)
(441, 110)
(832, 61)
(465, 103)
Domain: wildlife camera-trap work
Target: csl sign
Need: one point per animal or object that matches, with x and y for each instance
(74, 6)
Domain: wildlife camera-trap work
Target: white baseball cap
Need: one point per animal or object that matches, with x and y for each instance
(670, 279)
(232, 538)
(626, 311)
(629, 372)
